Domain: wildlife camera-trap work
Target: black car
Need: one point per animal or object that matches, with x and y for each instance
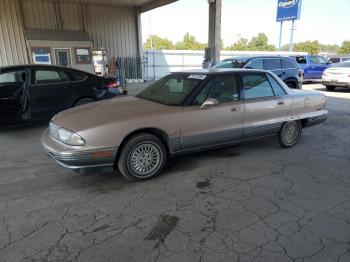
(284, 67)
(40, 91)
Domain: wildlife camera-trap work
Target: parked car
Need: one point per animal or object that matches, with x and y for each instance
(338, 59)
(337, 76)
(181, 113)
(313, 66)
(284, 67)
(39, 91)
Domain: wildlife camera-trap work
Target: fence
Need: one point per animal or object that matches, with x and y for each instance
(157, 63)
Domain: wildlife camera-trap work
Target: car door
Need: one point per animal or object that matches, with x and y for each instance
(216, 125)
(49, 92)
(266, 104)
(13, 95)
(313, 67)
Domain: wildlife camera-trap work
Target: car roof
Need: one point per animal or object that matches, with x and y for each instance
(25, 66)
(215, 71)
(246, 58)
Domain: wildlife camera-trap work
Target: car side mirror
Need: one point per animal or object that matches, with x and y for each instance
(210, 102)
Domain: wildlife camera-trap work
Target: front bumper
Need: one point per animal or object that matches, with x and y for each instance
(78, 158)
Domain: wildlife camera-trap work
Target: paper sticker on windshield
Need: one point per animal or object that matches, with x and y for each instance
(200, 77)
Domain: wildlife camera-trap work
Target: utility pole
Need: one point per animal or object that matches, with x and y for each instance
(291, 37)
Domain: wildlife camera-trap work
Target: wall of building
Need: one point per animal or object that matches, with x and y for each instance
(12, 44)
(111, 27)
(63, 45)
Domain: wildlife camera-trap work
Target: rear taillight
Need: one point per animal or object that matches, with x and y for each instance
(113, 85)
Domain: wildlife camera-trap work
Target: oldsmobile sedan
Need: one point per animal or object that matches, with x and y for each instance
(183, 112)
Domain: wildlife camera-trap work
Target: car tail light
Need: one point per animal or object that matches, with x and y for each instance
(113, 85)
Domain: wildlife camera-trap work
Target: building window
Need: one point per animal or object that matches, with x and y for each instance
(82, 55)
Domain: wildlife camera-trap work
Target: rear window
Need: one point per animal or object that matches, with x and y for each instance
(272, 64)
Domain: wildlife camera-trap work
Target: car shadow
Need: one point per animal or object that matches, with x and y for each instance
(27, 126)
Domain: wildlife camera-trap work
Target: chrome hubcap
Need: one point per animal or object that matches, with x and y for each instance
(290, 132)
(145, 159)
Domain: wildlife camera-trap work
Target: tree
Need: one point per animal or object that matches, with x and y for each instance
(158, 43)
(240, 45)
(313, 48)
(330, 49)
(344, 48)
(189, 43)
(260, 43)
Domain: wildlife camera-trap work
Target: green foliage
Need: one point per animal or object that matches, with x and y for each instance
(344, 48)
(240, 45)
(257, 43)
(313, 48)
(330, 49)
(158, 43)
(189, 43)
(260, 43)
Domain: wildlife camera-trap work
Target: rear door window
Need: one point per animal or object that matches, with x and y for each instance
(78, 76)
(287, 64)
(272, 64)
(50, 77)
(256, 86)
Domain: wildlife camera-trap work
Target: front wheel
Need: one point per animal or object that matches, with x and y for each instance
(290, 133)
(142, 157)
(330, 88)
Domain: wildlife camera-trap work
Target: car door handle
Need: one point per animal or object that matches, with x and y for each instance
(280, 102)
(235, 109)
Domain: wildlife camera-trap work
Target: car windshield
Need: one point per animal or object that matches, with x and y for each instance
(172, 89)
(345, 64)
(233, 63)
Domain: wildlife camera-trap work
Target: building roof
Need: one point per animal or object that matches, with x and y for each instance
(56, 35)
(144, 5)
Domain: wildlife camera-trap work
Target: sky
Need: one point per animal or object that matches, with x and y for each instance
(327, 21)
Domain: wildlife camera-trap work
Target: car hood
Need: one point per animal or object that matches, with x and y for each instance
(107, 111)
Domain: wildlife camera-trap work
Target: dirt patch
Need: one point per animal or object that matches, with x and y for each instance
(203, 184)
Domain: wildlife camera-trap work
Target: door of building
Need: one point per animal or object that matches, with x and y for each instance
(63, 57)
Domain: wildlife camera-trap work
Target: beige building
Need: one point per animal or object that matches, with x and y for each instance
(66, 32)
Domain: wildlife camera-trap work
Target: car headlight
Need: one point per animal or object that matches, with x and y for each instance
(66, 136)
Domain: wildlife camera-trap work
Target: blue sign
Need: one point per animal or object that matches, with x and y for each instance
(288, 10)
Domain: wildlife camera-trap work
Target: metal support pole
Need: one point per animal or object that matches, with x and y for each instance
(280, 40)
(214, 41)
(291, 37)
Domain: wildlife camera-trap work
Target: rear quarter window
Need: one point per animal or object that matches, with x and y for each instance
(272, 64)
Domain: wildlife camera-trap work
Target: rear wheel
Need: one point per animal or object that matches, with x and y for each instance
(84, 101)
(290, 133)
(330, 88)
(142, 157)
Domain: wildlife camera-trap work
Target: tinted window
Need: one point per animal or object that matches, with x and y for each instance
(334, 60)
(50, 76)
(345, 59)
(256, 86)
(345, 64)
(272, 64)
(171, 90)
(322, 60)
(314, 60)
(277, 89)
(301, 59)
(13, 77)
(78, 76)
(231, 64)
(288, 64)
(222, 88)
(256, 64)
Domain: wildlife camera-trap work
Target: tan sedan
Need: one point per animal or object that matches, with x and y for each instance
(182, 112)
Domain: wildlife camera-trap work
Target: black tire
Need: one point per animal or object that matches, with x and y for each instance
(290, 134)
(330, 88)
(135, 160)
(291, 85)
(84, 101)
